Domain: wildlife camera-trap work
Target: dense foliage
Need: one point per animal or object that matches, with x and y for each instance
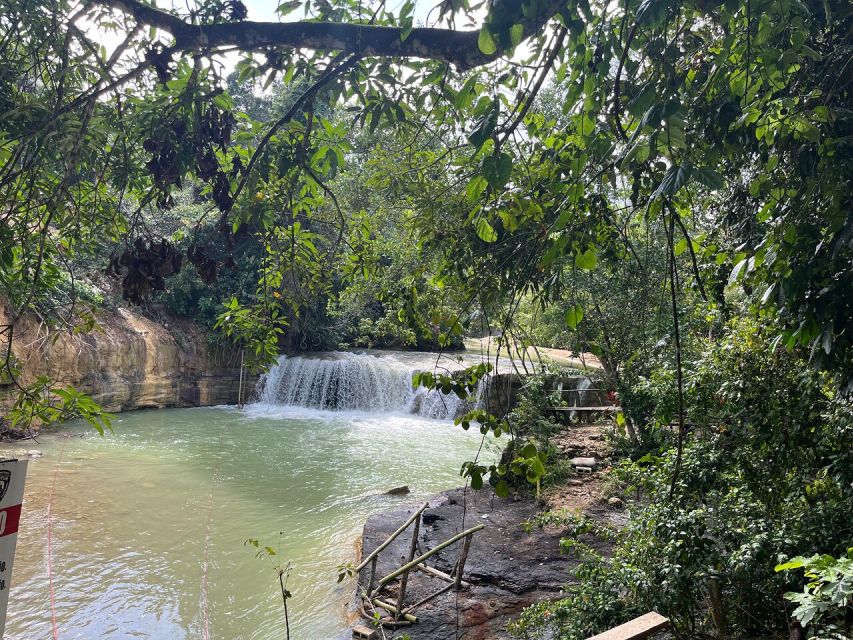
(663, 183)
(766, 474)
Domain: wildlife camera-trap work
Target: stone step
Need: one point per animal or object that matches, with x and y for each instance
(637, 629)
(584, 462)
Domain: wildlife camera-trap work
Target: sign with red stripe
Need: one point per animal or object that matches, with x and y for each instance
(10, 518)
(13, 473)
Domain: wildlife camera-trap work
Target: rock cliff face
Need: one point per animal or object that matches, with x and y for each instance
(128, 362)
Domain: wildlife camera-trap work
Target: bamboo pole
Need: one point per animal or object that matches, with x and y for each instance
(423, 601)
(240, 387)
(432, 571)
(408, 617)
(372, 574)
(404, 579)
(431, 552)
(391, 538)
(460, 564)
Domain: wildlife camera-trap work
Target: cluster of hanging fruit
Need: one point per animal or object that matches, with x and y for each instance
(204, 264)
(175, 151)
(144, 266)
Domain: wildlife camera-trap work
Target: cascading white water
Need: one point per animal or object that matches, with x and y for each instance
(341, 381)
(584, 384)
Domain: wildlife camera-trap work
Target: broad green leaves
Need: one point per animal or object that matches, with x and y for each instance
(485, 231)
(485, 41)
(709, 178)
(823, 604)
(485, 125)
(675, 178)
(642, 101)
(496, 170)
(574, 316)
(587, 260)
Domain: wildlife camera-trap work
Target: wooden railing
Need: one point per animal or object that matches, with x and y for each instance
(636, 629)
(574, 399)
(401, 613)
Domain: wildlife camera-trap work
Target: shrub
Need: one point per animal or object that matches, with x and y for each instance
(767, 471)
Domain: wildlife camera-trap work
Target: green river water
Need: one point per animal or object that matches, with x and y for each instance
(148, 524)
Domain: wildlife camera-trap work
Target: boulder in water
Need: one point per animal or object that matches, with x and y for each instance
(34, 453)
(399, 491)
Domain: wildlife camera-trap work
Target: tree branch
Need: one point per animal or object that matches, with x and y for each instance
(449, 45)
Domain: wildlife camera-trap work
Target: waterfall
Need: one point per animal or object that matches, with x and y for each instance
(584, 384)
(341, 381)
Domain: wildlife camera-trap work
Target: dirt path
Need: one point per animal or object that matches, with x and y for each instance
(585, 492)
(489, 347)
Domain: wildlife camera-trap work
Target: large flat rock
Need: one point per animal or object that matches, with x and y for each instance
(508, 569)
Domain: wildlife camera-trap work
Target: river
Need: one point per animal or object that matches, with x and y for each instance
(140, 533)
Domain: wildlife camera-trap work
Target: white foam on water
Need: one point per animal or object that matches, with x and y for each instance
(355, 383)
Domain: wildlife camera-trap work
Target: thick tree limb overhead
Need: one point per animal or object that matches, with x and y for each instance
(448, 45)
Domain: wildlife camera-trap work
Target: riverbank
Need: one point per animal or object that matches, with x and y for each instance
(509, 566)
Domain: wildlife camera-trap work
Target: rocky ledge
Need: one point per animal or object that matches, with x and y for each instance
(507, 568)
(128, 362)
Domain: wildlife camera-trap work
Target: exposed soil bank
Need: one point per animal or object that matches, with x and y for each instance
(508, 569)
(128, 362)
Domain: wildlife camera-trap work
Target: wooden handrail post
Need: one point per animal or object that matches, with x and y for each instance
(460, 564)
(372, 574)
(240, 387)
(404, 579)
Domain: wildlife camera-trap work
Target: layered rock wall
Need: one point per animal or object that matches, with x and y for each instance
(127, 362)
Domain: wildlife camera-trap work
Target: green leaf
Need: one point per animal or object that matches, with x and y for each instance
(587, 260)
(675, 178)
(485, 231)
(556, 249)
(741, 268)
(642, 101)
(485, 42)
(516, 34)
(652, 11)
(463, 97)
(406, 29)
(502, 488)
(639, 151)
(485, 125)
(497, 170)
(573, 316)
(476, 188)
(287, 7)
(709, 177)
(794, 563)
(177, 85)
